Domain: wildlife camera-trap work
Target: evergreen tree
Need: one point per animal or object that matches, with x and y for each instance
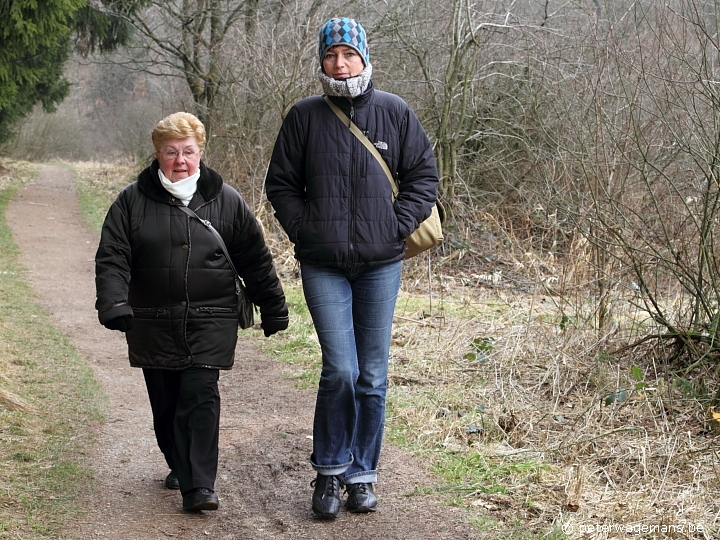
(36, 39)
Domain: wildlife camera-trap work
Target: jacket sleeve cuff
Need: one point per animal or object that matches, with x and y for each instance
(118, 310)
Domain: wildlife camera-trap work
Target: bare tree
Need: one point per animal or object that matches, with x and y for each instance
(187, 39)
(448, 89)
(645, 148)
(272, 69)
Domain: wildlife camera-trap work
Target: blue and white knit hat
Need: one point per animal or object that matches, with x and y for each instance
(344, 31)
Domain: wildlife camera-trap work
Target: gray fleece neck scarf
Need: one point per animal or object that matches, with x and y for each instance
(351, 87)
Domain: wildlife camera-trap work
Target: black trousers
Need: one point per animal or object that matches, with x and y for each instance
(186, 417)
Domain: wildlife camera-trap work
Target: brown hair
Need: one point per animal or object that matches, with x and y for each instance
(179, 125)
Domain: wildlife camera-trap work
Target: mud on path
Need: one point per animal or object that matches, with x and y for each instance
(266, 423)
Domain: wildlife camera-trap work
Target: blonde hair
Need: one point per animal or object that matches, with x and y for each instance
(179, 125)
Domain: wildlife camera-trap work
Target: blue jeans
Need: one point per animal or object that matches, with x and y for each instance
(353, 313)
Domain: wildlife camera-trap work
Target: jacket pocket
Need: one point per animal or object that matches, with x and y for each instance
(214, 310)
(150, 312)
(300, 226)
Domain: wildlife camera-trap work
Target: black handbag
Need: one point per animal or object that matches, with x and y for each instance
(245, 312)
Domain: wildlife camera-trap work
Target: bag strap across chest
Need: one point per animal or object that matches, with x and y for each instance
(213, 230)
(366, 142)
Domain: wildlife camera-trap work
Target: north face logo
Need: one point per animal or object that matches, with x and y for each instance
(380, 145)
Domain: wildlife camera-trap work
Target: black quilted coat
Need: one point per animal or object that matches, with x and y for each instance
(167, 270)
(331, 195)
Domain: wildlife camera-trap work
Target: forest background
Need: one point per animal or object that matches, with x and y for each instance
(576, 297)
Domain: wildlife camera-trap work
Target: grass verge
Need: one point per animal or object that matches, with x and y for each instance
(48, 398)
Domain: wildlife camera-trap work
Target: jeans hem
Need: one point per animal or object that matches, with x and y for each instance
(331, 470)
(363, 477)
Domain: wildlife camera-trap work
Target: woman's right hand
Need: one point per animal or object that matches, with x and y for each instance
(122, 323)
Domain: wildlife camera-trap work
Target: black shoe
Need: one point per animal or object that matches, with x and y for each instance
(200, 499)
(326, 497)
(171, 481)
(361, 498)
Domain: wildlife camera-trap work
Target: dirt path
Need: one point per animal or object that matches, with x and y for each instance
(264, 475)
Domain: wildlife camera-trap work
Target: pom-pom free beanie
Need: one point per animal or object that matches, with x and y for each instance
(343, 31)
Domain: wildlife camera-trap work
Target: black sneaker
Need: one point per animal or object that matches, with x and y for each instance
(326, 497)
(361, 498)
(171, 481)
(200, 499)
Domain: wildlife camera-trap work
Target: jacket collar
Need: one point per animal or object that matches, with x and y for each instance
(363, 98)
(345, 103)
(208, 187)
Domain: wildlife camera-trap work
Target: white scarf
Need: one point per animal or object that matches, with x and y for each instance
(182, 189)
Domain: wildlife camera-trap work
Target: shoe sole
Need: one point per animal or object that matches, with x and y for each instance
(362, 509)
(209, 505)
(204, 505)
(324, 515)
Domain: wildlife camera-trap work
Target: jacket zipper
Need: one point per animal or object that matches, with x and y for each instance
(212, 310)
(353, 174)
(157, 311)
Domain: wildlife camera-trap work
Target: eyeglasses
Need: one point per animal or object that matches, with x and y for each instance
(188, 153)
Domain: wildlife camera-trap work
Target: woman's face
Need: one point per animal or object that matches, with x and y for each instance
(179, 158)
(342, 62)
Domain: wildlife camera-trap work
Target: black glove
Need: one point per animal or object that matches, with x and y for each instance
(123, 323)
(272, 325)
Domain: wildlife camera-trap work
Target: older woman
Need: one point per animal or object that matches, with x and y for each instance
(164, 280)
(335, 203)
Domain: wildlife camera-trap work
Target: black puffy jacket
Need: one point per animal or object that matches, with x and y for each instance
(167, 270)
(331, 195)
